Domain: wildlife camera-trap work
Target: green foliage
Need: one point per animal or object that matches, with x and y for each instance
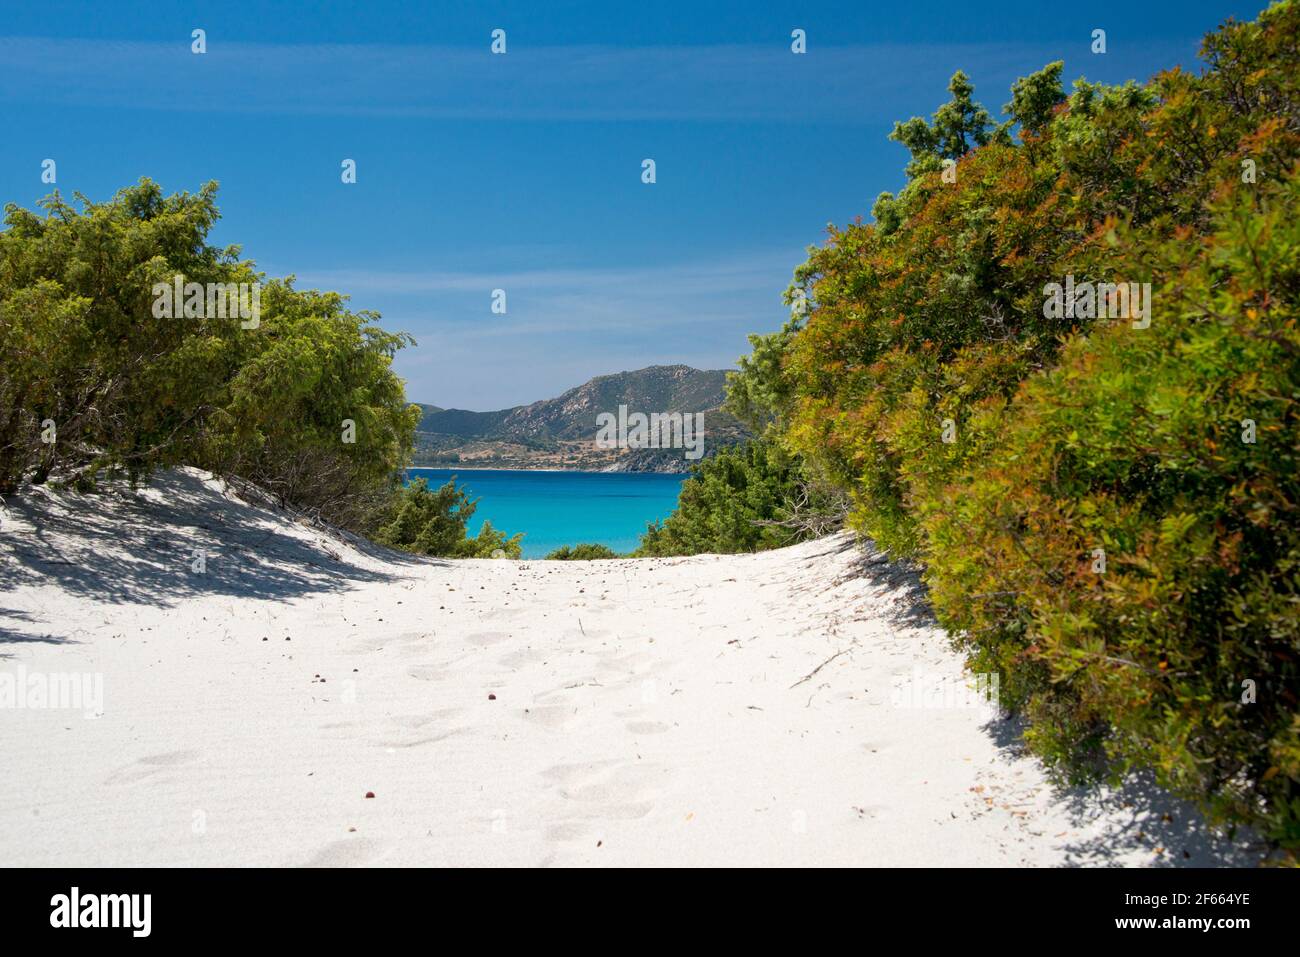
(281, 411)
(79, 345)
(887, 213)
(958, 126)
(1139, 443)
(757, 394)
(1035, 97)
(434, 523)
(920, 318)
(1071, 435)
(582, 553)
(725, 498)
(130, 392)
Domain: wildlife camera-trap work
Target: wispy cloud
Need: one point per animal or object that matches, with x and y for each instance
(578, 299)
(723, 275)
(564, 325)
(841, 84)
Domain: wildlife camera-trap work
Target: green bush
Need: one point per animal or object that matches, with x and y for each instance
(1128, 544)
(1012, 450)
(434, 523)
(744, 499)
(919, 317)
(130, 392)
(582, 553)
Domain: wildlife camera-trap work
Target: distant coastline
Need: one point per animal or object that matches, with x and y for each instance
(561, 433)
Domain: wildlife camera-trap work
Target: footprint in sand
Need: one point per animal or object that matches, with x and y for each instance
(150, 766)
(168, 758)
(427, 673)
(505, 614)
(619, 660)
(567, 831)
(647, 727)
(524, 656)
(625, 812)
(566, 707)
(555, 717)
(349, 852)
(423, 718)
(567, 773)
(609, 791)
(409, 640)
(418, 742)
(485, 638)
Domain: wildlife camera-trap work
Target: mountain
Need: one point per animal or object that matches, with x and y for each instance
(460, 422)
(561, 432)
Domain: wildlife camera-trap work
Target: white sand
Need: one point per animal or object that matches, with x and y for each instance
(647, 712)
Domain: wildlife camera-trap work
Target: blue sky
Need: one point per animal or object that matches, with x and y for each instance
(523, 171)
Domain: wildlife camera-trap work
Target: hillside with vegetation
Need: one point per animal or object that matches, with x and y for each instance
(561, 432)
(1105, 509)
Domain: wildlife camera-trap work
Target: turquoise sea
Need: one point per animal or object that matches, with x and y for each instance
(565, 508)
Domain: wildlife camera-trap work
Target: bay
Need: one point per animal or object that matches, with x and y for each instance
(564, 508)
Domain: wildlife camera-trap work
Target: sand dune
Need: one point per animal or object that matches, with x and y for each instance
(713, 710)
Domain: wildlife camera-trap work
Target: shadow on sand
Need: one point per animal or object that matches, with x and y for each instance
(908, 599)
(122, 546)
(1140, 815)
(1151, 817)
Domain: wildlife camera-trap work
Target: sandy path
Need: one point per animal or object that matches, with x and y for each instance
(646, 712)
